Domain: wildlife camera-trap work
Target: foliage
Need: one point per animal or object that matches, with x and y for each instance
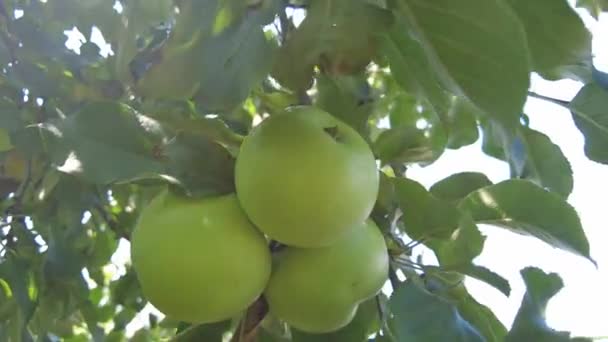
(87, 139)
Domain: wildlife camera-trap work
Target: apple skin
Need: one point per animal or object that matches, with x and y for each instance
(199, 261)
(306, 178)
(318, 290)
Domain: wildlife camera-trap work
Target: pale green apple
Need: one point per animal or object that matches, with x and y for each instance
(306, 178)
(199, 260)
(318, 290)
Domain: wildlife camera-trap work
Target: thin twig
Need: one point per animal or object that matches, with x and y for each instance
(405, 264)
(285, 25)
(392, 277)
(110, 221)
(558, 102)
(414, 243)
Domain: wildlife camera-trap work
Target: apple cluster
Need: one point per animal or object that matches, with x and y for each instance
(303, 179)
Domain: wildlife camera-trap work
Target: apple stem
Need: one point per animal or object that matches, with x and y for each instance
(247, 330)
(333, 132)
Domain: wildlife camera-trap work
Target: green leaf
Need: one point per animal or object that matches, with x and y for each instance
(16, 272)
(346, 97)
(419, 315)
(411, 69)
(590, 114)
(104, 142)
(139, 18)
(5, 56)
(461, 123)
(63, 260)
(595, 7)
(9, 114)
(417, 134)
(545, 163)
(365, 323)
(516, 204)
(5, 141)
(232, 62)
(478, 315)
(201, 166)
(103, 247)
(483, 274)
(600, 77)
(424, 216)
(480, 49)
(212, 129)
(126, 291)
(464, 245)
(529, 324)
(531, 155)
(557, 37)
(338, 35)
(457, 186)
(492, 142)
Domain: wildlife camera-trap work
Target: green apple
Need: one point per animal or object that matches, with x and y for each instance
(306, 178)
(199, 260)
(317, 290)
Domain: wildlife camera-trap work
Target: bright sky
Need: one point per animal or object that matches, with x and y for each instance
(581, 306)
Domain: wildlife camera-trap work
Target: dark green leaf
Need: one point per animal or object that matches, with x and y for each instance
(600, 77)
(484, 274)
(478, 315)
(516, 204)
(590, 113)
(103, 247)
(201, 166)
(531, 155)
(346, 97)
(338, 35)
(63, 259)
(424, 216)
(232, 62)
(104, 142)
(126, 291)
(421, 316)
(493, 140)
(464, 245)
(461, 123)
(417, 134)
(529, 324)
(557, 38)
(16, 273)
(459, 185)
(411, 69)
(480, 49)
(5, 141)
(9, 114)
(545, 163)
